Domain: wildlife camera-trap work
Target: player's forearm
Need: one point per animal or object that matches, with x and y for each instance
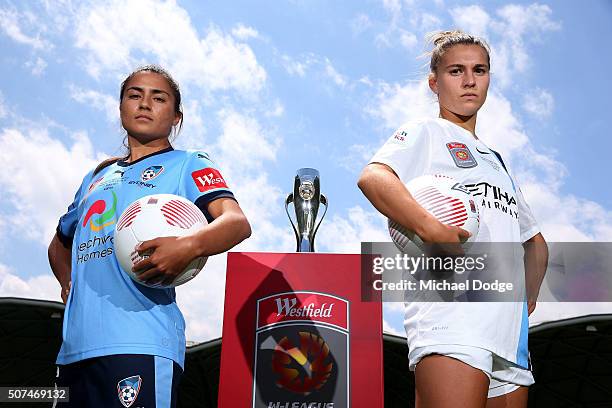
(536, 261)
(225, 232)
(60, 261)
(390, 197)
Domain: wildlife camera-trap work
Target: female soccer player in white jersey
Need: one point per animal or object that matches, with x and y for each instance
(124, 343)
(464, 354)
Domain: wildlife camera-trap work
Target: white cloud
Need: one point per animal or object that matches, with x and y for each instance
(336, 77)
(508, 34)
(244, 141)
(429, 22)
(193, 133)
(392, 329)
(120, 35)
(472, 19)
(243, 32)
(357, 157)
(97, 100)
(37, 66)
(395, 104)
(360, 23)
(407, 39)
(344, 234)
(201, 301)
(392, 6)
(539, 103)
(3, 108)
(37, 287)
(551, 311)
(243, 148)
(13, 24)
(498, 125)
(276, 110)
(320, 65)
(519, 20)
(44, 176)
(298, 67)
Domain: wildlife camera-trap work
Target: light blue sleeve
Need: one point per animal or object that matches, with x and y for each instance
(68, 222)
(202, 181)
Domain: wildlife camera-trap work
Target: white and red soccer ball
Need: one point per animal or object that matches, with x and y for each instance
(444, 198)
(155, 216)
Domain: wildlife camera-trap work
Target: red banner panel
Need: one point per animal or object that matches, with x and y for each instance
(296, 333)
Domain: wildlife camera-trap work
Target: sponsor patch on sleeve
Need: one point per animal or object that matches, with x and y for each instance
(400, 135)
(208, 179)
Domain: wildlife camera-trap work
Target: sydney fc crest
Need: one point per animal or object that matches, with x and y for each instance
(151, 172)
(128, 389)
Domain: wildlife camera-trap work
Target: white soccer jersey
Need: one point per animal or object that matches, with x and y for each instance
(438, 146)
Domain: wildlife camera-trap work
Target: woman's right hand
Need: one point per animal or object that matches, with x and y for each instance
(441, 239)
(66, 292)
(434, 232)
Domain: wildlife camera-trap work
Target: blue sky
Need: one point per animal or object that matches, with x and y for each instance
(275, 86)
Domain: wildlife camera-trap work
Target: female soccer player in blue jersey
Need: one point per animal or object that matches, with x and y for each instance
(464, 354)
(124, 343)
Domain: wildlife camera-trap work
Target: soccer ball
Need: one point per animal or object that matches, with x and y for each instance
(447, 200)
(155, 216)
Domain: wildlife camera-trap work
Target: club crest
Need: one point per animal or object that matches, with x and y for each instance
(151, 172)
(128, 389)
(461, 155)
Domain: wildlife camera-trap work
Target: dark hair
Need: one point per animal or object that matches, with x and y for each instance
(178, 109)
(443, 40)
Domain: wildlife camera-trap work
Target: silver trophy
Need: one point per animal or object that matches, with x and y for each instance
(306, 198)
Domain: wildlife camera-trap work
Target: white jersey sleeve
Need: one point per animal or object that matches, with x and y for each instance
(407, 151)
(528, 225)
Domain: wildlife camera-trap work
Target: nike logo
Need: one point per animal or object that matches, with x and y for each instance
(481, 152)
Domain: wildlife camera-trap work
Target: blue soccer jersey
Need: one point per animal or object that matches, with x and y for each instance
(107, 312)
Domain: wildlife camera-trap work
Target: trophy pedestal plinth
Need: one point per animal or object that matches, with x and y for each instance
(296, 332)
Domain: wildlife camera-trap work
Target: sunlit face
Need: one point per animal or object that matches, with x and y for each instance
(147, 107)
(461, 80)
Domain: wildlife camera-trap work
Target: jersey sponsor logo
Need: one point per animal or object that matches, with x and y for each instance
(202, 155)
(151, 172)
(400, 135)
(141, 184)
(460, 187)
(461, 155)
(106, 182)
(492, 163)
(128, 389)
(208, 179)
(98, 217)
(94, 184)
(95, 248)
(494, 197)
(481, 152)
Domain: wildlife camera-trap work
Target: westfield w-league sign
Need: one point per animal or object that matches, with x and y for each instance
(296, 333)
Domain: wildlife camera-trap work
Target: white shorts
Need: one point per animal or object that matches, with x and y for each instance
(504, 375)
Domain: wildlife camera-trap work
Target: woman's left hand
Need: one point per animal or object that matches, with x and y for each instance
(168, 257)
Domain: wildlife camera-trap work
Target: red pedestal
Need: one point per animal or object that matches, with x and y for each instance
(296, 333)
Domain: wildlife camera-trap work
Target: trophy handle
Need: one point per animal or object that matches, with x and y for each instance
(288, 200)
(324, 202)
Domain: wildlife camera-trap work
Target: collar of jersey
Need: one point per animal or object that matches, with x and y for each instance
(123, 163)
